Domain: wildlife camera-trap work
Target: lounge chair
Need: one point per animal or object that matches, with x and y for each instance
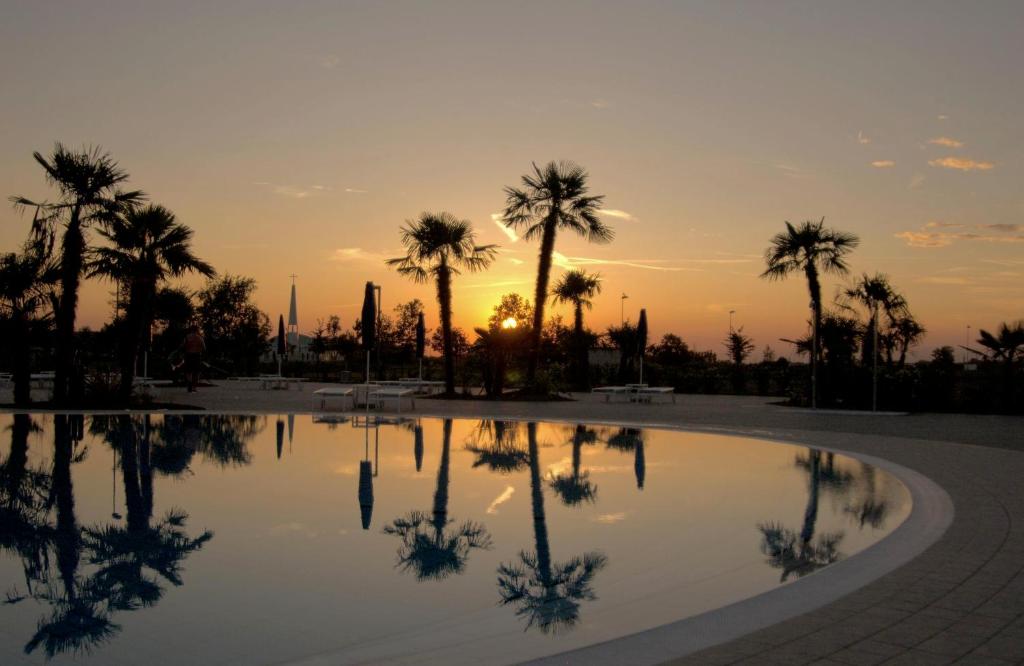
(382, 395)
(322, 396)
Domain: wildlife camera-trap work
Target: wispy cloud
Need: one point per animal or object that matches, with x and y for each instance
(927, 237)
(862, 139)
(790, 170)
(330, 61)
(883, 164)
(621, 214)
(945, 141)
(916, 181)
(354, 190)
(564, 261)
(942, 116)
(961, 164)
(939, 279)
(507, 230)
(599, 104)
(492, 285)
(609, 518)
(349, 254)
(505, 496)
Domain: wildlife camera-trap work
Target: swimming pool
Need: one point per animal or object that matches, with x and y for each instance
(256, 539)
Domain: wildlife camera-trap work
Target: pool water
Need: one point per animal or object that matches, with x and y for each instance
(234, 539)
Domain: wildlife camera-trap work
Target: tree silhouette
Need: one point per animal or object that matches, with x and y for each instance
(546, 594)
(578, 288)
(438, 246)
(147, 245)
(553, 199)
(87, 183)
(497, 446)
(812, 249)
(430, 548)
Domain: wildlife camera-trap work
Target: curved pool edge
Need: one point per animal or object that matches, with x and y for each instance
(930, 518)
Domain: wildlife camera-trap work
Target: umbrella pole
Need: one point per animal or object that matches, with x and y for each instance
(641, 368)
(278, 365)
(421, 369)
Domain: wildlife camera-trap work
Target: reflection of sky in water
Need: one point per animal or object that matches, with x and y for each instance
(584, 533)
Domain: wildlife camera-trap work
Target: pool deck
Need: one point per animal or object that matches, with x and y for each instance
(961, 601)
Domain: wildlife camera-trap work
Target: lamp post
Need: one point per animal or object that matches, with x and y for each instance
(967, 341)
(622, 309)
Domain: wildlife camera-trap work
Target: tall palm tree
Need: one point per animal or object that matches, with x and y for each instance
(577, 287)
(547, 593)
(428, 548)
(1006, 345)
(812, 249)
(904, 333)
(26, 282)
(553, 199)
(147, 245)
(875, 293)
(87, 183)
(439, 245)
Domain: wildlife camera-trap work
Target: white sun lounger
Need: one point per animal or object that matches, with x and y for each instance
(609, 391)
(380, 397)
(648, 393)
(322, 396)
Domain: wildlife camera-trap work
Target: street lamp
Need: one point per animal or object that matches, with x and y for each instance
(622, 309)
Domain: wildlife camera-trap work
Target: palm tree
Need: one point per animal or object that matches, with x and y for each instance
(147, 246)
(553, 199)
(576, 487)
(904, 333)
(438, 245)
(430, 550)
(548, 594)
(1007, 345)
(26, 282)
(875, 292)
(87, 183)
(578, 288)
(812, 249)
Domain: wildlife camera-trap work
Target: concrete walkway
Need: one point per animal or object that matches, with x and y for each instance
(961, 601)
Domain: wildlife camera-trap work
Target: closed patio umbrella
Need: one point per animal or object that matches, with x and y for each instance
(641, 340)
(368, 325)
(280, 437)
(421, 340)
(417, 449)
(282, 345)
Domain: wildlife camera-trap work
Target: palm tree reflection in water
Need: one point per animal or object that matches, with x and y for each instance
(804, 553)
(632, 439)
(496, 445)
(547, 595)
(429, 549)
(576, 487)
(87, 573)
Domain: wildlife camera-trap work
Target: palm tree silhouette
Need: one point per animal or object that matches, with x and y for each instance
(868, 508)
(578, 288)
(576, 487)
(429, 549)
(439, 245)
(553, 199)
(87, 183)
(1006, 345)
(632, 439)
(147, 246)
(812, 249)
(875, 293)
(497, 446)
(546, 594)
(801, 553)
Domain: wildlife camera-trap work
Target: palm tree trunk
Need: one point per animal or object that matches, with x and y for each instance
(444, 300)
(547, 248)
(13, 469)
(815, 289)
(72, 251)
(581, 360)
(67, 541)
(811, 511)
(129, 343)
(21, 346)
(441, 492)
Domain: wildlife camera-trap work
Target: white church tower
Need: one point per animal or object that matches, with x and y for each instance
(292, 332)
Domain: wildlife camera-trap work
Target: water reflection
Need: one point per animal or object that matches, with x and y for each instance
(546, 594)
(632, 439)
(498, 446)
(429, 548)
(85, 574)
(576, 487)
(800, 553)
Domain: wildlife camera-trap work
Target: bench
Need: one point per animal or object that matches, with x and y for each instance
(325, 394)
(382, 395)
(647, 393)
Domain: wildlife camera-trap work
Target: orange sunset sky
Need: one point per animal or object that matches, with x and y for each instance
(297, 137)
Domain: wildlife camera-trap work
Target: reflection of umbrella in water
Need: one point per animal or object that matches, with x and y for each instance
(417, 450)
(280, 437)
(282, 345)
(366, 475)
(291, 429)
(421, 340)
(632, 439)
